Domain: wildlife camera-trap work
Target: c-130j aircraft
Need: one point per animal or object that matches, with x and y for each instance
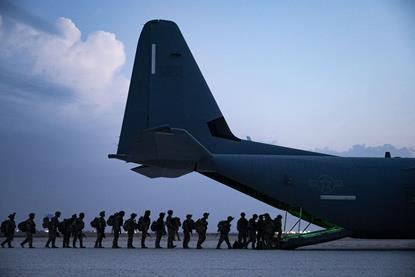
(172, 126)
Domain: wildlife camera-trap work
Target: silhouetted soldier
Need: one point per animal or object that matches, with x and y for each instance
(160, 229)
(8, 228)
(201, 228)
(268, 231)
(100, 225)
(67, 230)
(118, 223)
(171, 229)
(242, 227)
(278, 228)
(129, 227)
(145, 225)
(53, 230)
(260, 232)
(224, 227)
(252, 227)
(29, 227)
(78, 234)
(188, 226)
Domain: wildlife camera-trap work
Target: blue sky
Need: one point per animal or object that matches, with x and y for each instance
(327, 76)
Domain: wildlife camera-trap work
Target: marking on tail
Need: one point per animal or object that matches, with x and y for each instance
(153, 58)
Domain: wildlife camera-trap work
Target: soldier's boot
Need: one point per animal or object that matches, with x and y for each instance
(2, 244)
(9, 244)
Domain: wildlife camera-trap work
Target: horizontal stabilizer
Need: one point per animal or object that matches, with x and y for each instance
(157, 172)
(171, 152)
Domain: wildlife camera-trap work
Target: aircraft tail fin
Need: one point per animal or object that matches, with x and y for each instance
(167, 88)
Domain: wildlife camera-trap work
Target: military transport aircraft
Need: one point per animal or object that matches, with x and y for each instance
(172, 126)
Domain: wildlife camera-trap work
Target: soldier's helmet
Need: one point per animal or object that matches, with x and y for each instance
(162, 214)
(205, 215)
(242, 214)
(32, 215)
(147, 212)
(255, 216)
(230, 218)
(169, 212)
(121, 213)
(133, 215)
(189, 216)
(279, 216)
(81, 215)
(102, 213)
(11, 216)
(57, 213)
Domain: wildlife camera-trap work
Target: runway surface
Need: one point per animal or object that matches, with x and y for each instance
(347, 257)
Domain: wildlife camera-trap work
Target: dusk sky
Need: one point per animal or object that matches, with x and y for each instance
(334, 76)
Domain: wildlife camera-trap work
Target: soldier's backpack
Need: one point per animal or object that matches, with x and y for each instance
(3, 226)
(221, 225)
(22, 226)
(154, 226)
(62, 226)
(140, 224)
(128, 225)
(46, 222)
(94, 223)
(199, 227)
(110, 220)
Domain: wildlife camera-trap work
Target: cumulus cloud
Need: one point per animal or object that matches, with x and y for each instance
(361, 150)
(89, 67)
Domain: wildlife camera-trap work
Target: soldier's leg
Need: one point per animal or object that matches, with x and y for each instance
(74, 239)
(186, 239)
(171, 236)
(30, 239)
(96, 241)
(226, 239)
(100, 238)
(240, 237)
(130, 240)
(143, 239)
(81, 240)
(22, 244)
(158, 239)
(9, 241)
(221, 238)
(3, 243)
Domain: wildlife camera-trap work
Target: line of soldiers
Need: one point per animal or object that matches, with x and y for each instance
(259, 231)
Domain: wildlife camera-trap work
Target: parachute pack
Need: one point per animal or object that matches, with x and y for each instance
(221, 225)
(46, 222)
(22, 226)
(140, 224)
(199, 226)
(128, 225)
(110, 220)
(94, 222)
(3, 226)
(154, 226)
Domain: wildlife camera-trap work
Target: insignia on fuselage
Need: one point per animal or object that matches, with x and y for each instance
(325, 183)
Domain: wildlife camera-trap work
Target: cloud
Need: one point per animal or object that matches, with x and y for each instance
(20, 14)
(361, 150)
(88, 67)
